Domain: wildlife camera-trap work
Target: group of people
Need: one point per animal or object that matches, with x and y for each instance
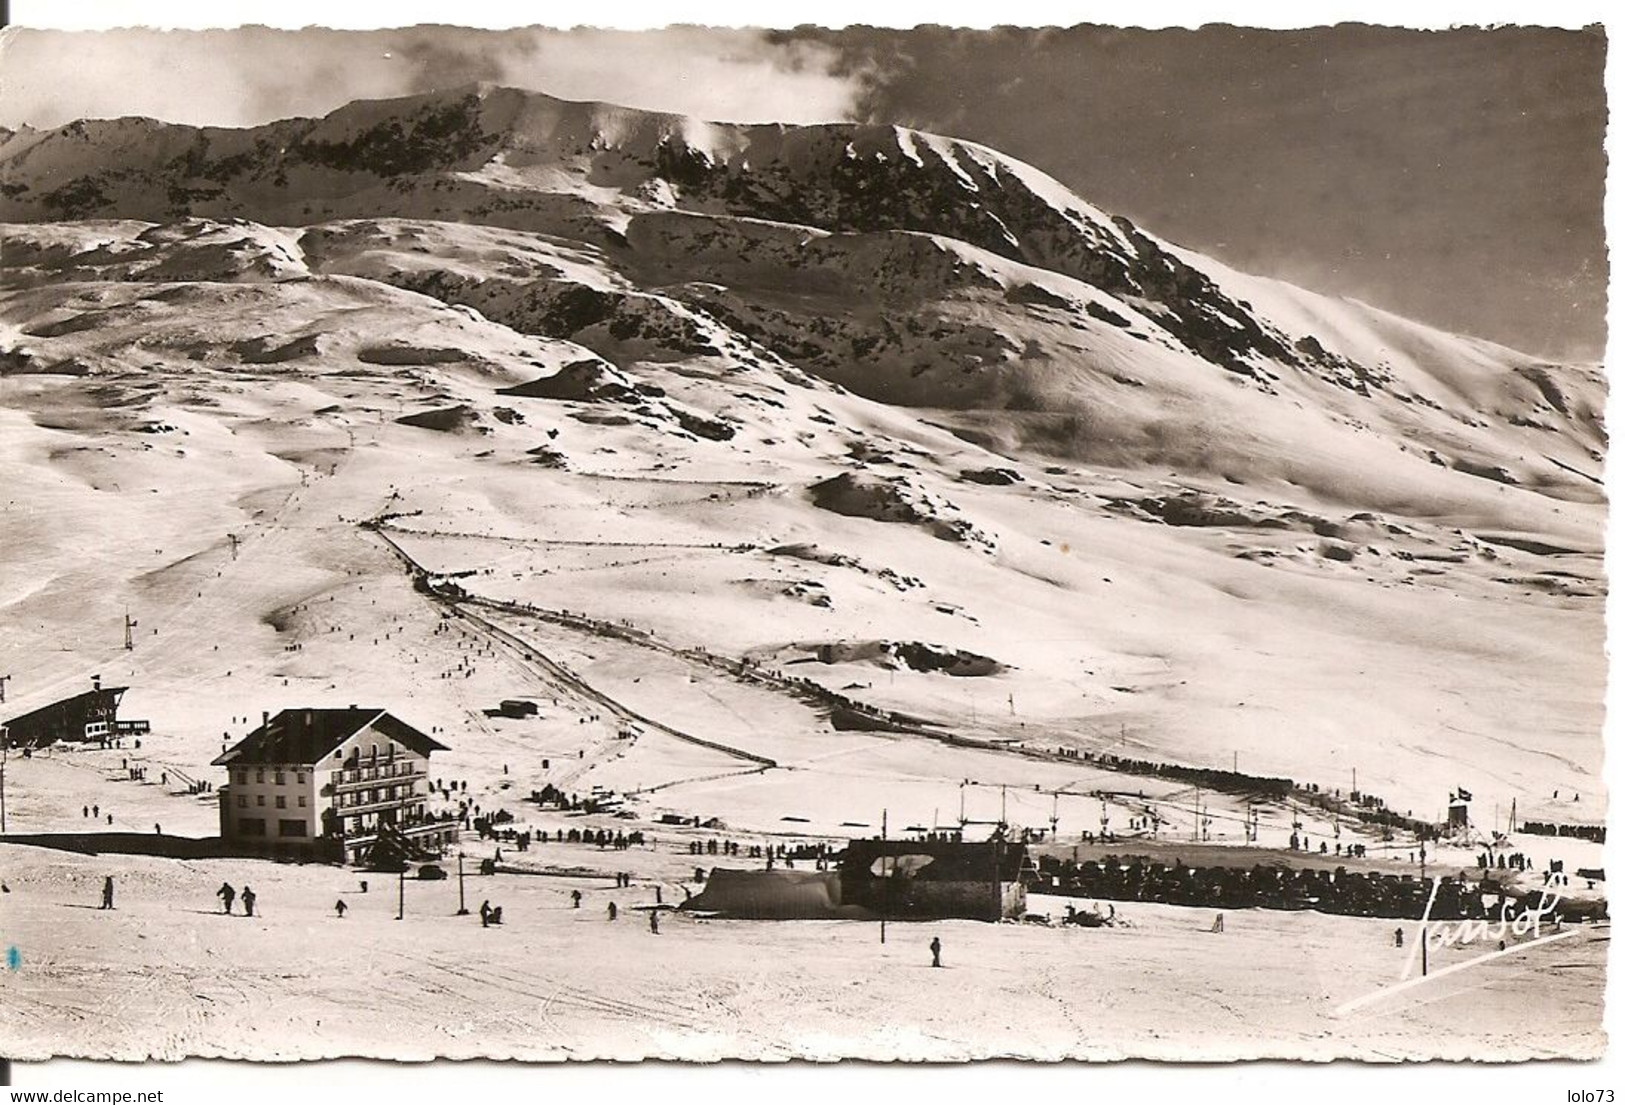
(1352, 893)
(228, 895)
(138, 773)
(1296, 843)
(96, 812)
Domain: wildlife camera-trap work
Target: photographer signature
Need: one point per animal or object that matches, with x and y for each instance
(1439, 935)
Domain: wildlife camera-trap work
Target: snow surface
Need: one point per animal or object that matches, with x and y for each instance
(1386, 566)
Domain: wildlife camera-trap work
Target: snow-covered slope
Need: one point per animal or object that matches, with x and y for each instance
(760, 390)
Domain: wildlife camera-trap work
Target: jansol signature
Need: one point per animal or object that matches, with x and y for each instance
(1438, 935)
(1442, 934)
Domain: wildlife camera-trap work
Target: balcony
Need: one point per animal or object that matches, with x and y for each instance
(348, 810)
(445, 830)
(360, 778)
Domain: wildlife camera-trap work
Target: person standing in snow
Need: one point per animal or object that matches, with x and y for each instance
(936, 952)
(248, 902)
(575, 899)
(339, 908)
(485, 914)
(654, 921)
(613, 911)
(226, 894)
(107, 892)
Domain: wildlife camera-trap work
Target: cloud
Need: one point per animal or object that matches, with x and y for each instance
(252, 75)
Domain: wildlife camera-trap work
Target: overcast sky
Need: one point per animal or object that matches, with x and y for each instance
(1456, 177)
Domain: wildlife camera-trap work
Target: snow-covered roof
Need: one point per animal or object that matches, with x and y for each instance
(305, 736)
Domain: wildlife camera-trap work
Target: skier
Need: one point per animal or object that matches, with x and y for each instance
(654, 921)
(107, 892)
(575, 899)
(248, 902)
(613, 912)
(936, 952)
(226, 894)
(339, 908)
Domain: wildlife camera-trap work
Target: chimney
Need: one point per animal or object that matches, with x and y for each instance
(265, 718)
(95, 682)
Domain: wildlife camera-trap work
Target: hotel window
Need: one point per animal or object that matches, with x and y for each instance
(299, 776)
(281, 778)
(301, 801)
(242, 777)
(242, 801)
(281, 802)
(259, 776)
(259, 799)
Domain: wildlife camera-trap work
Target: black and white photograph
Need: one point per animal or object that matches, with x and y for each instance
(908, 544)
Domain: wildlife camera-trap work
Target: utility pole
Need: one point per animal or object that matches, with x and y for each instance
(961, 807)
(400, 913)
(890, 869)
(232, 537)
(1003, 820)
(4, 679)
(129, 624)
(462, 903)
(1424, 950)
(998, 853)
(5, 752)
(1055, 816)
